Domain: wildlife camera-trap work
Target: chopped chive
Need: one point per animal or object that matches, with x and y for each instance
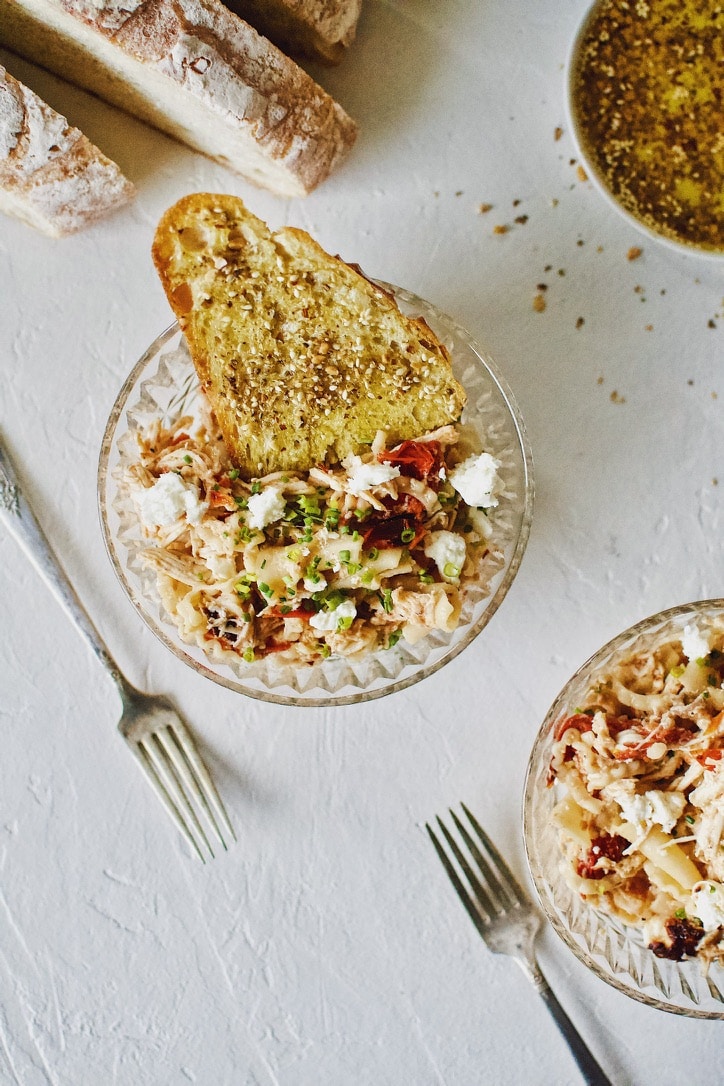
(386, 599)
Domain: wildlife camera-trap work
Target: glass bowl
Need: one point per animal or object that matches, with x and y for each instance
(616, 193)
(613, 951)
(163, 384)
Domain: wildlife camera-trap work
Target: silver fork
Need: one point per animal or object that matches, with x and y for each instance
(152, 728)
(506, 919)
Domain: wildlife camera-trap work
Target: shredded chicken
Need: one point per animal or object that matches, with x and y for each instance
(640, 771)
(302, 566)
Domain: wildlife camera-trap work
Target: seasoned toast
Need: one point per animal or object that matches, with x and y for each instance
(303, 358)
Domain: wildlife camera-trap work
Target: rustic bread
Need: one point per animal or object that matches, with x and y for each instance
(302, 357)
(320, 29)
(51, 176)
(195, 70)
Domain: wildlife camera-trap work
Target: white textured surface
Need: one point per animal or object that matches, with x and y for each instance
(328, 948)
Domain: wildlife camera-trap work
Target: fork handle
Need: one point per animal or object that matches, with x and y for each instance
(17, 513)
(590, 1069)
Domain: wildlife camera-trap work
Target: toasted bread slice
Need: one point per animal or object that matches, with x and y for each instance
(302, 357)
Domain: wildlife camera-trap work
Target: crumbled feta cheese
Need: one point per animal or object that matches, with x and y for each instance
(169, 499)
(647, 809)
(361, 476)
(695, 643)
(707, 903)
(447, 551)
(329, 620)
(266, 507)
(477, 481)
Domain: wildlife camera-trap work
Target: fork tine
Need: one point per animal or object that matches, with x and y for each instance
(205, 787)
(185, 776)
(164, 770)
(159, 788)
(457, 882)
(480, 892)
(499, 888)
(512, 887)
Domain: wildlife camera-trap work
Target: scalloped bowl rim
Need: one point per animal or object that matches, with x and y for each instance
(543, 883)
(411, 672)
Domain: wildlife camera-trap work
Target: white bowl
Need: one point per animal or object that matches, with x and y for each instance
(576, 124)
(164, 384)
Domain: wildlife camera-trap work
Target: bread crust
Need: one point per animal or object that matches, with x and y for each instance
(320, 29)
(51, 176)
(303, 358)
(196, 71)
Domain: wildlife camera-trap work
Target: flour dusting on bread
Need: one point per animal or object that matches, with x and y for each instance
(51, 176)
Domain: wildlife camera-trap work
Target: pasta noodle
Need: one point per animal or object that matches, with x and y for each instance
(639, 771)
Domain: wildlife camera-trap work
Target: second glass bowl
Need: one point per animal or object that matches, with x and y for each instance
(613, 951)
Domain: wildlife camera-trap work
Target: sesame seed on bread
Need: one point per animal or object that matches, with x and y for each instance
(302, 357)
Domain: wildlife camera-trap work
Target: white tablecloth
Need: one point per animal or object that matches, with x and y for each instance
(327, 948)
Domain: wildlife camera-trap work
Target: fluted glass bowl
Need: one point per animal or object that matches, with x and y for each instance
(163, 384)
(613, 951)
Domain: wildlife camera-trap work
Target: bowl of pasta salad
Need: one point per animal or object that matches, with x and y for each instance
(329, 586)
(624, 811)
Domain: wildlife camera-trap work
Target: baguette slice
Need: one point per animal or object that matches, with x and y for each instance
(51, 176)
(302, 358)
(320, 29)
(196, 71)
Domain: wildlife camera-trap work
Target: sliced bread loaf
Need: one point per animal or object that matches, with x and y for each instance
(320, 29)
(195, 70)
(51, 176)
(302, 357)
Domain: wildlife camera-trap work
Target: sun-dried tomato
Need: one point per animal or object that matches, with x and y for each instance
(407, 505)
(610, 846)
(296, 612)
(581, 721)
(418, 459)
(710, 756)
(684, 936)
(393, 532)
